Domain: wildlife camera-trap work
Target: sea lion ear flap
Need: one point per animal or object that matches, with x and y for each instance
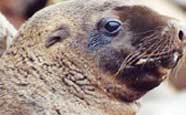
(57, 36)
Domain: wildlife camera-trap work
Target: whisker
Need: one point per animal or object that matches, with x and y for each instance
(154, 51)
(158, 48)
(145, 41)
(161, 47)
(168, 46)
(152, 30)
(152, 46)
(132, 59)
(149, 47)
(148, 40)
(135, 58)
(125, 63)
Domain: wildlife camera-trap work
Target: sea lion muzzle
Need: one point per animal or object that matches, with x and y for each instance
(145, 49)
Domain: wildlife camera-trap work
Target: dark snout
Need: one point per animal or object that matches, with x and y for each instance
(178, 52)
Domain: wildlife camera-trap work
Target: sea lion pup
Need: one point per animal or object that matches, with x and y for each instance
(7, 33)
(87, 58)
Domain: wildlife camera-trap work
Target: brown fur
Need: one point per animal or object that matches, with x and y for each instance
(62, 77)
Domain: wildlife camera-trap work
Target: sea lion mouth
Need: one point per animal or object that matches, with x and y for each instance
(131, 77)
(146, 73)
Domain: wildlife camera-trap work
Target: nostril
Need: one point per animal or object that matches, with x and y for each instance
(181, 35)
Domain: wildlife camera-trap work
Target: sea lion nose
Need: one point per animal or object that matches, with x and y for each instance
(182, 38)
(182, 33)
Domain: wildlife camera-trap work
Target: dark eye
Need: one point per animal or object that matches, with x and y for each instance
(112, 26)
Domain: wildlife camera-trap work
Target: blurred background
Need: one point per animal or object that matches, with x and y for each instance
(170, 97)
(17, 11)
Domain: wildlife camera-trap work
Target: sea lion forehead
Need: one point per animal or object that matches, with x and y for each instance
(141, 18)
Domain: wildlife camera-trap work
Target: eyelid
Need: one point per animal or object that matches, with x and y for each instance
(104, 21)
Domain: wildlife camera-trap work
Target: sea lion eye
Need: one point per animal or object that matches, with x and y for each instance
(112, 26)
(106, 29)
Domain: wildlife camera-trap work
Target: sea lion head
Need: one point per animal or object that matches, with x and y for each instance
(128, 49)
